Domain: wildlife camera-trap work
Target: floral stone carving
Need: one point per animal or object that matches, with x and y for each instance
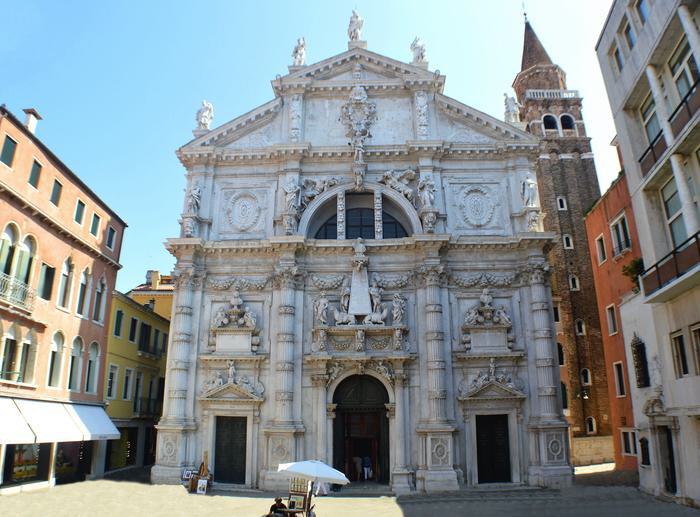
(489, 323)
(234, 327)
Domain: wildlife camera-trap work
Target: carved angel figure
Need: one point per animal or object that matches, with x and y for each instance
(426, 191)
(528, 191)
(321, 309)
(221, 318)
(501, 316)
(384, 370)
(194, 198)
(512, 109)
(355, 26)
(333, 372)
(418, 49)
(398, 309)
(205, 115)
(399, 180)
(313, 188)
(472, 316)
(299, 53)
(291, 196)
(244, 383)
(249, 318)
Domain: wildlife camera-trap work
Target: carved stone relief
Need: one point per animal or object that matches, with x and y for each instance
(477, 205)
(244, 211)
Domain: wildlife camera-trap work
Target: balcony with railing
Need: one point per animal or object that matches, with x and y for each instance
(622, 246)
(16, 293)
(673, 274)
(652, 153)
(145, 407)
(686, 109)
(551, 94)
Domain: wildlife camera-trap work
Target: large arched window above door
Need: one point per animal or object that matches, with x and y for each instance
(359, 222)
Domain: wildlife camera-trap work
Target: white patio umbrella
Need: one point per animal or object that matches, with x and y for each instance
(313, 470)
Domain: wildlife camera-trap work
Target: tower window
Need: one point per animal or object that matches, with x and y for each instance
(564, 397)
(567, 122)
(585, 377)
(550, 122)
(560, 353)
(568, 242)
(580, 328)
(561, 203)
(590, 425)
(574, 283)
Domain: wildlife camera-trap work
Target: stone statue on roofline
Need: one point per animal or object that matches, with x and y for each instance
(299, 53)
(355, 26)
(418, 49)
(512, 109)
(205, 115)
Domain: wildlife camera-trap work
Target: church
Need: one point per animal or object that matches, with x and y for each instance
(361, 276)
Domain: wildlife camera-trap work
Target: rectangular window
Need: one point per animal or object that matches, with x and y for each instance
(82, 293)
(132, 329)
(164, 344)
(8, 151)
(630, 36)
(126, 391)
(642, 7)
(556, 313)
(674, 215)
(695, 333)
(144, 337)
(617, 56)
(56, 192)
(683, 68)
(54, 368)
(612, 320)
(118, 317)
(112, 381)
(35, 174)
(156, 339)
(620, 236)
(600, 248)
(79, 212)
(680, 356)
(619, 379)
(629, 443)
(95, 225)
(111, 234)
(9, 359)
(649, 119)
(46, 277)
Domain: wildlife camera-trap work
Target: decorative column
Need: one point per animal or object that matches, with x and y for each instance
(437, 431)
(656, 92)
(340, 215)
(691, 30)
(175, 423)
(401, 476)
(549, 465)
(690, 212)
(378, 220)
(320, 382)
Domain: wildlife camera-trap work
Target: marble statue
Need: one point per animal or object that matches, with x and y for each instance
(194, 198)
(426, 191)
(249, 318)
(512, 109)
(345, 295)
(299, 53)
(343, 318)
(399, 181)
(418, 49)
(231, 371)
(244, 383)
(375, 294)
(291, 196)
(219, 379)
(492, 368)
(221, 318)
(313, 188)
(205, 115)
(398, 309)
(533, 219)
(528, 191)
(486, 297)
(188, 228)
(472, 316)
(384, 371)
(501, 316)
(334, 372)
(355, 26)
(377, 316)
(321, 309)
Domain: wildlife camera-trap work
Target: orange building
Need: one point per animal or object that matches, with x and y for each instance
(59, 257)
(613, 244)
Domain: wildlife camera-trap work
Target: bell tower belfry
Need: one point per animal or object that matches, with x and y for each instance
(568, 187)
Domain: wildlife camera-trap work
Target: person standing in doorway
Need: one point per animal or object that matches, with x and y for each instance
(367, 467)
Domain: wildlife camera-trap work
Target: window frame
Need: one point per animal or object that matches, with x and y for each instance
(594, 429)
(135, 323)
(118, 323)
(611, 320)
(695, 340)
(680, 356)
(642, 14)
(620, 247)
(625, 31)
(651, 113)
(600, 249)
(628, 446)
(574, 283)
(96, 233)
(42, 284)
(581, 332)
(79, 203)
(681, 63)
(617, 58)
(114, 386)
(57, 192)
(35, 161)
(567, 237)
(113, 231)
(562, 204)
(127, 386)
(670, 220)
(588, 380)
(619, 374)
(14, 151)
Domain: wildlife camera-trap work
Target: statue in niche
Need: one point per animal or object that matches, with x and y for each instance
(528, 191)
(205, 115)
(533, 219)
(188, 227)
(219, 381)
(512, 109)
(492, 368)
(345, 295)
(299, 53)
(321, 309)
(231, 372)
(221, 318)
(194, 198)
(426, 191)
(377, 316)
(359, 340)
(398, 309)
(375, 294)
(355, 26)
(418, 50)
(291, 196)
(399, 181)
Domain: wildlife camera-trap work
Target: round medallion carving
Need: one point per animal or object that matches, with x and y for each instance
(243, 211)
(477, 206)
(554, 447)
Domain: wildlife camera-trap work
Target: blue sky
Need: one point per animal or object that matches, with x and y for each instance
(118, 83)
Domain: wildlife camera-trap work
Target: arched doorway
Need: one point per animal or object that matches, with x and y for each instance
(361, 427)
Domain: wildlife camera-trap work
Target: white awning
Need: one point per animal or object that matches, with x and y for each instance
(93, 421)
(14, 428)
(49, 421)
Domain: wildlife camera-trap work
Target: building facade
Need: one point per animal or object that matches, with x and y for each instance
(157, 292)
(59, 257)
(648, 53)
(568, 188)
(134, 380)
(616, 258)
(362, 273)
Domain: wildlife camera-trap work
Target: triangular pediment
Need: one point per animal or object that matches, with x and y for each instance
(231, 391)
(494, 390)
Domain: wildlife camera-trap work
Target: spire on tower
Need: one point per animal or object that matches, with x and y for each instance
(533, 51)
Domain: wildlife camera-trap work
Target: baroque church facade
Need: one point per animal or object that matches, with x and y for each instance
(362, 273)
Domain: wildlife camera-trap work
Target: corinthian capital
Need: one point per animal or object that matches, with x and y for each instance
(286, 276)
(433, 274)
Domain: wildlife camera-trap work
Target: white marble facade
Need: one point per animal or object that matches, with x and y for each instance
(453, 319)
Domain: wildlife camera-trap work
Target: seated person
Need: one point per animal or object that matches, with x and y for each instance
(274, 509)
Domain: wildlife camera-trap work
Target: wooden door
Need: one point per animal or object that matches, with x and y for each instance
(492, 449)
(230, 449)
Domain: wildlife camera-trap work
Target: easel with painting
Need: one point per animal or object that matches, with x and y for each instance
(201, 481)
(300, 492)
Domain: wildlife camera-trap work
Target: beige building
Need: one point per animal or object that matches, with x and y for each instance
(649, 53)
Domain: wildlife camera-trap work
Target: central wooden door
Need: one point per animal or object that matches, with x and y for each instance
(492, 449)
(230, 449)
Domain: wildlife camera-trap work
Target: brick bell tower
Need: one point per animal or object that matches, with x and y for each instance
(568, 187)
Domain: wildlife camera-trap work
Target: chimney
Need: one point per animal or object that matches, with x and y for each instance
(153, 278)
(32, 118)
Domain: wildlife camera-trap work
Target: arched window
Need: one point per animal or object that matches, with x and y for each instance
(560, 354)
(585, 377)
(590, 425)
(564, 397)
(359, 222)
(568, 242)
(580, 327)
(8, 246)
(82, 307)
(550, 122)
(76, 364)
(561, 203)
(100, 296)
(64, 286)
(93, 367)
(25, 260)
(574, 283)
(55, 359)
(567, 122)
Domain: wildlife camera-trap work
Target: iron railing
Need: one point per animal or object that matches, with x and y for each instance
(652, 153)
(147, 407)
(16, 292)
(622, 246)
(672, 266)
(685, 110)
